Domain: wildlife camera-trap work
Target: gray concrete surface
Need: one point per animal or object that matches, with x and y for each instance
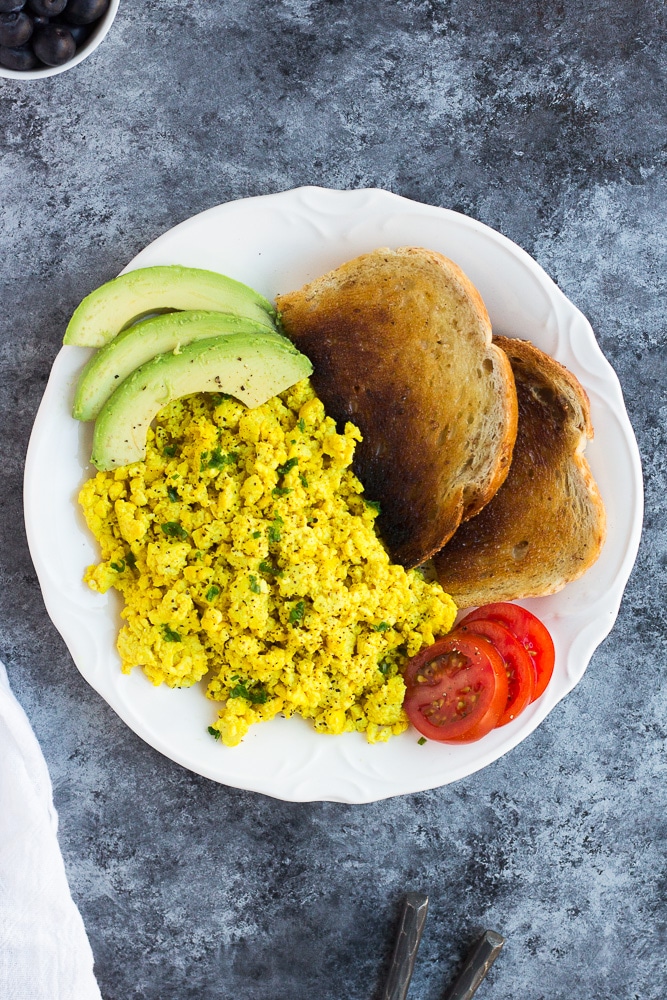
(544, 120)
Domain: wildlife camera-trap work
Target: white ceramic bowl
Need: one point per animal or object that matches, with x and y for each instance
(276, 243)
(95, 39)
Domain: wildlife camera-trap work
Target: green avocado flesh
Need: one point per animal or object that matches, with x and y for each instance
(252, 367)
(118, 303)
(142, 342)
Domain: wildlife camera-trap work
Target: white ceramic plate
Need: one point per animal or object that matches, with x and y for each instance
(276, 243)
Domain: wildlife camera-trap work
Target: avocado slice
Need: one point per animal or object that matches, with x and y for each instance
(253, 367)
(120, 302)
(133, 347)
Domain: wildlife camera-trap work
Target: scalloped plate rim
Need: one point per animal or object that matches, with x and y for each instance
(301, 785)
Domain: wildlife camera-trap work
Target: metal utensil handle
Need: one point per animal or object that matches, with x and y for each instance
(410, 931)
(477, 965)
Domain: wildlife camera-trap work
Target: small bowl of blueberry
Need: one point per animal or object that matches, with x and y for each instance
(43, 37)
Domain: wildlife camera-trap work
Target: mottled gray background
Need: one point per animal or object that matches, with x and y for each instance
(545, 120)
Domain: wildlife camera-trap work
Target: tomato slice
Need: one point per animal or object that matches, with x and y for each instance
(529, 630)
(456, 689)
(518, 664)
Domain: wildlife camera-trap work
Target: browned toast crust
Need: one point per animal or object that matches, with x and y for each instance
(401, 346)
(546, 524)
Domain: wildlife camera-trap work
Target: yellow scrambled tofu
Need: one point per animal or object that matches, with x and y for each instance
(247, 555)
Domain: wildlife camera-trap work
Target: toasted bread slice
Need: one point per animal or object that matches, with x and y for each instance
(546, 524)
(401, 344)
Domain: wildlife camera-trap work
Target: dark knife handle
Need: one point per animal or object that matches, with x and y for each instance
(477, 965)
(410, 931)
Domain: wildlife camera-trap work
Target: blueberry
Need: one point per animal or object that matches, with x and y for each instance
(10, 6)
(79, 32)
(15, 29)
(21, 58)
(85, 11)
(54, 45)
(47, 8)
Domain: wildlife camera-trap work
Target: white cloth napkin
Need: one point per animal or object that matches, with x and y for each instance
(44, 951)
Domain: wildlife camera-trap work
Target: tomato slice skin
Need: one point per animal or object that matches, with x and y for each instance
(529, 630)
(520, 669)
(456, 689)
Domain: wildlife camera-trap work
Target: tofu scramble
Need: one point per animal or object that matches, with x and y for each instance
(246, 554)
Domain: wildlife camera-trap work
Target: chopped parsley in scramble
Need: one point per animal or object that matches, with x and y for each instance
(247, 556)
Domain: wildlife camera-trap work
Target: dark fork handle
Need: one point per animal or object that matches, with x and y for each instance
(477, 965)
(413, 919)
